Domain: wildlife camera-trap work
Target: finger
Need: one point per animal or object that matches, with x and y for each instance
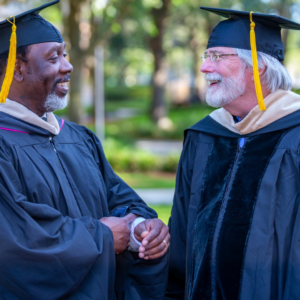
(155, 250)
(160, 248)
(157, 255)
(156, 227)
(158, 239)
(144, 234)
(140, 229)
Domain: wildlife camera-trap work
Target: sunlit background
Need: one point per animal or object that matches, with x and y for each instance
(136, 79)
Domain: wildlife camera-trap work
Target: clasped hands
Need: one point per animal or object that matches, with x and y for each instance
(152, 233)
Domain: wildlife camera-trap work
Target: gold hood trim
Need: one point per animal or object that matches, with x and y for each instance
(19, 111)
(279, 104)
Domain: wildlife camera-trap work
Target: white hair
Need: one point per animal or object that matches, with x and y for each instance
(276, 75)
(53, 102)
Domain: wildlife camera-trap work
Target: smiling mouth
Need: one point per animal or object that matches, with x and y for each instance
(63, 86)
(212, 82)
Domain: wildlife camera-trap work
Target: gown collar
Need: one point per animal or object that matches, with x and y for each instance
(279, 104)
(19, 111)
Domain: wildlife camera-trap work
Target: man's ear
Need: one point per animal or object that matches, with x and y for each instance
(262, 70)
(19, 70)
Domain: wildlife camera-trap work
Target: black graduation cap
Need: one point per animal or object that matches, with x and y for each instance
(235, 31)
(22, 30)
(31, 29)
(250, 31)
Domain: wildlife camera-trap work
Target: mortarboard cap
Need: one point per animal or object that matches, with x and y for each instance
(31, 29)
(264, 36)
(235, 32)
(24, 29)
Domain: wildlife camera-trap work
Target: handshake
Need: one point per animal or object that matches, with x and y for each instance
(152, 233)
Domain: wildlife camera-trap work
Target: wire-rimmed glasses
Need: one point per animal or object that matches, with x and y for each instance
(214, 56)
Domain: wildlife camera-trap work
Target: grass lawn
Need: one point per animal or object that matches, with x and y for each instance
(149, 180)
(163, 211)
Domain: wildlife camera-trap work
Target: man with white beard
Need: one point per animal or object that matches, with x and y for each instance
(70, 228)
(235, 222)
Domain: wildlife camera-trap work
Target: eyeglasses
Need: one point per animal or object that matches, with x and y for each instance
(214, 56)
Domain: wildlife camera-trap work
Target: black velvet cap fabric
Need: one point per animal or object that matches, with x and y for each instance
(31, 29)
(235, 31)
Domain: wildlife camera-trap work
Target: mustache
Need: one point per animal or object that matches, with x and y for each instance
(66, 78)
(212, 76)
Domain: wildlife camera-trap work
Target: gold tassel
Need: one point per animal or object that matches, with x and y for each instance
(259, 94)
(10, 69)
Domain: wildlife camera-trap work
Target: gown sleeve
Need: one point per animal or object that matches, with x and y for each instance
(178, 219)
(119, 194)
(44, 255)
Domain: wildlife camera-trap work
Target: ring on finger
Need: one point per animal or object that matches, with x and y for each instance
(165, 243)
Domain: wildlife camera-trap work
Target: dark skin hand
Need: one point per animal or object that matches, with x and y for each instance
(120, 230)
(155, 238)
(151, 233)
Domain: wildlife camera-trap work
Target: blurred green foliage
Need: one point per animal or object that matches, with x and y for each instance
(127, 93)
(126, 158)
(142, 126)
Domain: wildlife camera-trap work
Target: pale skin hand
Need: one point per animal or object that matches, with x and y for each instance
(152, 233)
(120, 230)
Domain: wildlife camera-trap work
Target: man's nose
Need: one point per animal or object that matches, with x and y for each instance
(66, 67)
(208, 66)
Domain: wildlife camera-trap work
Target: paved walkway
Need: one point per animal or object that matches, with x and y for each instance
(156, 196)
(160, 147)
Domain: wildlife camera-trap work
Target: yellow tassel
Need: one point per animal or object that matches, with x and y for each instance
(10, 69)
(259, 94)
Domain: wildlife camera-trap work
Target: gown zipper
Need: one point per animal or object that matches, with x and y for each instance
(52, 143)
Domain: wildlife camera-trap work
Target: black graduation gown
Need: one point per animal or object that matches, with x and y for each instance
(235, 223)
(53, 191)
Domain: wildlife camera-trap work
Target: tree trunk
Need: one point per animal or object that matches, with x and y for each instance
(284, 10)
(75, 112)
(77, 54)
(194, 46)
(158, 109)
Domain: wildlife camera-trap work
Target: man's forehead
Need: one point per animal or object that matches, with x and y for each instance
(220, 50)
(57, 46)
(49, 46)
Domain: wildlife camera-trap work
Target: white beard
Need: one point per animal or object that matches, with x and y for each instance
(227, 90)
(53, 102)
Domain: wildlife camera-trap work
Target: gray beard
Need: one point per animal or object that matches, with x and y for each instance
(228, 90)
(53, 102)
